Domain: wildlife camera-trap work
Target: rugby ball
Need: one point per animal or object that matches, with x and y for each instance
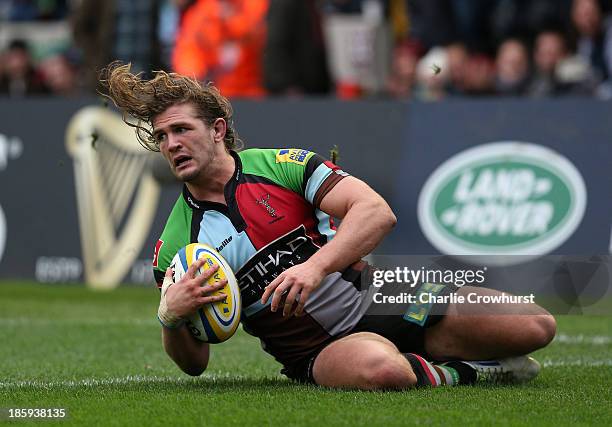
(216, 322)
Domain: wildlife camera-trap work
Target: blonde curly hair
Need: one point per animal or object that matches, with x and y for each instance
(143, 100)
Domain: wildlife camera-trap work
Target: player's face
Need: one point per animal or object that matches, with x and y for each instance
(185, 141)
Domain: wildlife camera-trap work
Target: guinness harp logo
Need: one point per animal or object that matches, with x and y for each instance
(116, 194)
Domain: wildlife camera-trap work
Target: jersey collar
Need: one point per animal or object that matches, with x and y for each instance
(231, 210)
(229, 189)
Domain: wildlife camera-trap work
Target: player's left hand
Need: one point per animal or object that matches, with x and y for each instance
(301, 280)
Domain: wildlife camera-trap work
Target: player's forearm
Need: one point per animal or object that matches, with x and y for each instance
(189, 354)
(364, 226)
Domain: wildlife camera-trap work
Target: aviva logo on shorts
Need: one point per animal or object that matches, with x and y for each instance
(419, 311)
(292, 155)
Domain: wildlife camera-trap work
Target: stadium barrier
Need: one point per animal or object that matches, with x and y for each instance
(81, 202)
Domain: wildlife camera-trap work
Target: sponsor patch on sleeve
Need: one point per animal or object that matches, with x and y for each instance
(292, 155)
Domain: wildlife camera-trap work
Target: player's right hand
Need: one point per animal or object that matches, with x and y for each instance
(179, 300)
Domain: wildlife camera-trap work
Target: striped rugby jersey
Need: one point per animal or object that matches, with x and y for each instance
(271, 222)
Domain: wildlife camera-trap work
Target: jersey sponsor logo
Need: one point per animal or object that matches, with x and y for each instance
(223, 244)
(191, 202)
(292, 155)
(158, 246)
(258, 272)
(117, 194)
(500, 199)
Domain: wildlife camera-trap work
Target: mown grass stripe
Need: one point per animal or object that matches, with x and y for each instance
(577, 362)
(142, 379)
(28, 321)
(583, 339)
(129, 379)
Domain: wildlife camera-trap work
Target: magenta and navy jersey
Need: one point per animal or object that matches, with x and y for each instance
(271, 222)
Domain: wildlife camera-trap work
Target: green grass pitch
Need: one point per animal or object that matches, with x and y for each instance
(99, 355)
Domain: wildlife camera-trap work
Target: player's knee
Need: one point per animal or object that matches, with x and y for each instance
(387, 372)
(548, 326)
(541, 330)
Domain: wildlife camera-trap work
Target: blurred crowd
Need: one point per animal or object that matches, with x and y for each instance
(406, 49)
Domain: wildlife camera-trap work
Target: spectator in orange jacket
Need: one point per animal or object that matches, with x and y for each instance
(222, 41)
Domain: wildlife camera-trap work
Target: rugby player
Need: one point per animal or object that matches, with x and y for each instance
(269, 213)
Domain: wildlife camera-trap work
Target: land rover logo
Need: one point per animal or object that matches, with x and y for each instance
(503, 198)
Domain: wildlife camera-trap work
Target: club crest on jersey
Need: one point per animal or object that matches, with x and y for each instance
(265, 202)
(292, 155)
